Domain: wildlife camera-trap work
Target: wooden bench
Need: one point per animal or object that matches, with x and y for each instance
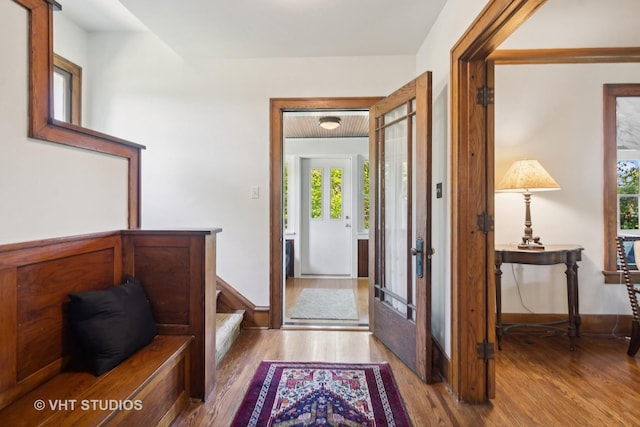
(149, 388)
(41, 382)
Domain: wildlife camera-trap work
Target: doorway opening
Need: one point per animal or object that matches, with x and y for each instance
(286, 241)
(325, 199)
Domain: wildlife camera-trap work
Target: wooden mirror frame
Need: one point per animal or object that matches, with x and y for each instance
(41, 123)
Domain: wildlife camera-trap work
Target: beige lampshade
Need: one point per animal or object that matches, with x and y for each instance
(527, 176)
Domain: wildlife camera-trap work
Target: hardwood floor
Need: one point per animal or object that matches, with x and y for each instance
(294, 287)
(539, 381)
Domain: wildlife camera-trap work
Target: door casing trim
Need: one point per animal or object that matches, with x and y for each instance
(277, 106)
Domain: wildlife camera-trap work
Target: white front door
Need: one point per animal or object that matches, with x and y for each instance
(326, 226)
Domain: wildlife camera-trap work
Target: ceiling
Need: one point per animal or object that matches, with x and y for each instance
(269, 28)
(206, 29)
(305, 124)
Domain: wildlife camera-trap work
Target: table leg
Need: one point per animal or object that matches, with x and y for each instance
(498, 273)
(572, 298)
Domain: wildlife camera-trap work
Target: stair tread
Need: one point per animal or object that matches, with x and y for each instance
(227, 330)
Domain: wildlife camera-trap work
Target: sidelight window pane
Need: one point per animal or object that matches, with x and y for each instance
(316, 193)
(336, 193)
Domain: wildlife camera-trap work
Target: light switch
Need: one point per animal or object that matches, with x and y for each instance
(255, 192)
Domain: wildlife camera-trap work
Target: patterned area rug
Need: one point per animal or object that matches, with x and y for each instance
(326, 303)
(322, 394)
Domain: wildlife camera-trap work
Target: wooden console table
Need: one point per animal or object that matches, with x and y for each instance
(552, 254)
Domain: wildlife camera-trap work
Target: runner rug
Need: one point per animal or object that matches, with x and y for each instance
(322, 394)
(326, 303)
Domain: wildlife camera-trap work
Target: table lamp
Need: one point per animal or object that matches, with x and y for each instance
(527, 176)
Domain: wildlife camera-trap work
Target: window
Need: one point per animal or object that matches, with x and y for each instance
(364, 196)
(627, 177)
(336, 194)
(67, 91)
(621, 171)
(316, 193)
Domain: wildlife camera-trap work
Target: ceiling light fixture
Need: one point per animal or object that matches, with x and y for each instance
(329, 122)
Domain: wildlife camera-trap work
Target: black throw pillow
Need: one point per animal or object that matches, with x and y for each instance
(111, 324)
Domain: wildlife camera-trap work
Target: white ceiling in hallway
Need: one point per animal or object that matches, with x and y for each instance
(288, 28)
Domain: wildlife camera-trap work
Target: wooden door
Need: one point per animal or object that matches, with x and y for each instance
(400, 243)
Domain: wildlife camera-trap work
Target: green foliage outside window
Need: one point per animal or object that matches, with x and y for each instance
(628, 186)
(336, 193)
(316, 193)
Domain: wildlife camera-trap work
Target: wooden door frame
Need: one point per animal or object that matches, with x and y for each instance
(276, 159)
(472, 377)
(472, 136)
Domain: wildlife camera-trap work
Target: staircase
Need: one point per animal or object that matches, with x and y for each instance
(227, 330)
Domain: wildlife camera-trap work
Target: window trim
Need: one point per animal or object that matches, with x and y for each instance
(75, 93)
(610, 196)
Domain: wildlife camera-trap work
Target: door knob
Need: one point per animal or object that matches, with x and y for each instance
(347, 225)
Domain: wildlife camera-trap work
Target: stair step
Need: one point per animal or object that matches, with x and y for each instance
(227, 330)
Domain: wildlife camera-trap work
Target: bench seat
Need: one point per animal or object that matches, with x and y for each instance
(149, 388)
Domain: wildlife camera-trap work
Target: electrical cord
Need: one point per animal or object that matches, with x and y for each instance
(513, 273)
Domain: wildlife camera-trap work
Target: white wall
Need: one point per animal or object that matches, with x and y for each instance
(206, 128)
(435, 56)
(47, 190)
(71, 42)
(553, 113)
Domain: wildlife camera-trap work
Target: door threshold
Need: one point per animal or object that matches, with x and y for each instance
(294, 326)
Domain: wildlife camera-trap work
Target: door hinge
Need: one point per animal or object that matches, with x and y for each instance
(485, 96)
(485, 222)
(486, 350)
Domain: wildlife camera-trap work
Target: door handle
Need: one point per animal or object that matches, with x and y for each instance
(417, 252)
(431, 253)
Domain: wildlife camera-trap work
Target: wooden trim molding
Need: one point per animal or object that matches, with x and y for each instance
(230, 300)
(43, 126)
(565, 56)
(74, 80)
(472, 136)
(473, 308)
(598, 324)
(609, 168)
(277, 107)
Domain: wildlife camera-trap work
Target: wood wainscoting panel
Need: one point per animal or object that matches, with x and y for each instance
(43, 288)
(168, 265)
(177, 269)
